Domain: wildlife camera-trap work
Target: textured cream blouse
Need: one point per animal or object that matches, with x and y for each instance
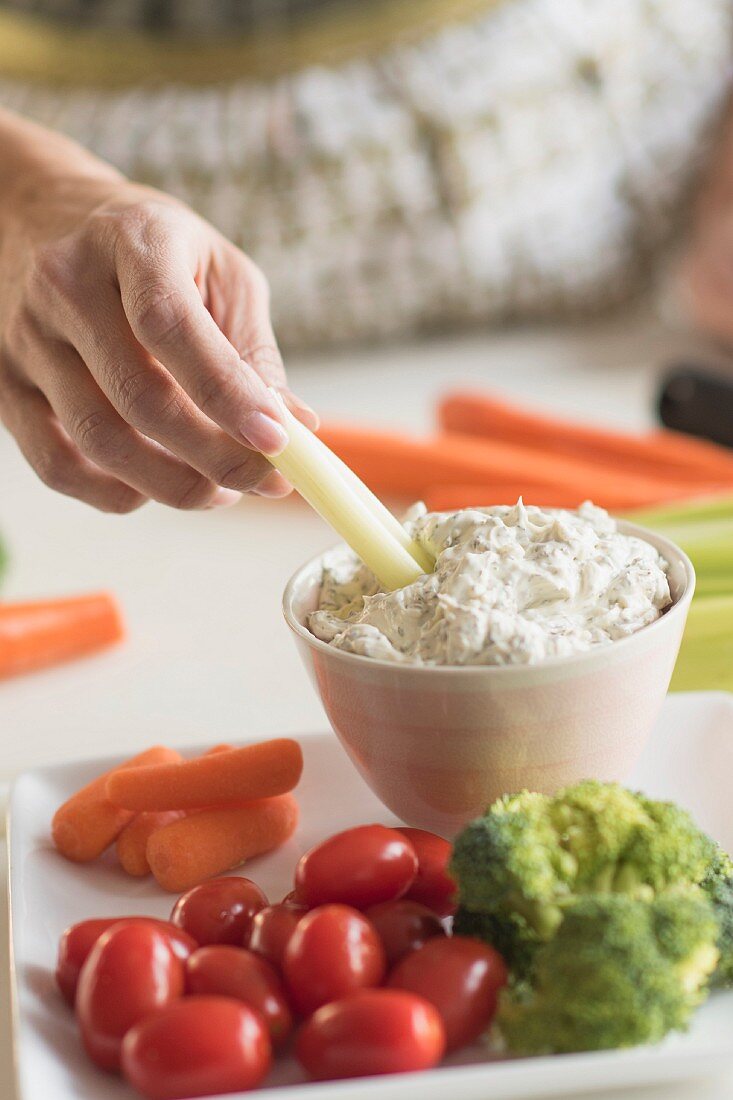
(395, 165)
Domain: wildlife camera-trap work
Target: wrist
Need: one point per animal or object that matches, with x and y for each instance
(47, 179)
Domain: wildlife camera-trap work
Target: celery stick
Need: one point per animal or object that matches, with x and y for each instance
(701, 508)
(321, 483)
(705, 662)
(379, 511)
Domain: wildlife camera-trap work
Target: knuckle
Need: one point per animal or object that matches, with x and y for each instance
(263, 356)
(215, 392)
(258, 281)
(194, 493)
(140, 396)
(52, 271)
(58, 469)
(243, 474)
(96, 438)
(159, 313)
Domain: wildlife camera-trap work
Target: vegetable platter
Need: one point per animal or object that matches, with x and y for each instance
(688, 760)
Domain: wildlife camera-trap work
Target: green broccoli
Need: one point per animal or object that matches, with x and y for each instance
(718, 885)
(530, 856)
(620, 971)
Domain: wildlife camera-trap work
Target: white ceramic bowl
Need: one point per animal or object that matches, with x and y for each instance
(438, 745)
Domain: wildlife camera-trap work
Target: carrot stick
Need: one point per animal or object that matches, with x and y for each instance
(662, 453)
(214, 841)
(448, 498)
(254, 771)
(132, 842)
(88, 822)
(46, 632)
(401, 465)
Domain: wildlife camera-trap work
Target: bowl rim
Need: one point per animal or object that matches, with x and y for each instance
(673, 554)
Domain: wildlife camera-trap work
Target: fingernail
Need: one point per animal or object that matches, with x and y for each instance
(264, 433)
(273, 486)
(224, 498)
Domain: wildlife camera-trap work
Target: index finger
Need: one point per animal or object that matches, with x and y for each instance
(168, 317)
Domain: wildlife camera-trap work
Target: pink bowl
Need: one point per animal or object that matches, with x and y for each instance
(438, 745)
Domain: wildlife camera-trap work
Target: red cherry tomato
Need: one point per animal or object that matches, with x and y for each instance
(199, 1046)
(461, 977)
(78, 940)
(272, 927)
(359, 867)
(403, 926)
(293, 899)
(130, 971)
(432, 886)
(224, 971)
(333, 951)
(219, 911)
(374, 1031)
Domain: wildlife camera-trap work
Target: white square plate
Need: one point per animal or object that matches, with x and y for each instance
(689, 759)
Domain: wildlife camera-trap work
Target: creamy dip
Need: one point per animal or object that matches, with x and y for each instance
(512, 585)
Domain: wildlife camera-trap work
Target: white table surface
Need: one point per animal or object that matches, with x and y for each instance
(208, 655)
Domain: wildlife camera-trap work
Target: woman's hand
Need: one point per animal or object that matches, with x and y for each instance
(136, 349)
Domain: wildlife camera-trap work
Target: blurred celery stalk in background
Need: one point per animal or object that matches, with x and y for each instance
(704, 530)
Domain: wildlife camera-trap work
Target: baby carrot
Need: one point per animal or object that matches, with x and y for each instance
(88, 822)
(214, 841)
(253, 771)
(46, 632)
(132, 842)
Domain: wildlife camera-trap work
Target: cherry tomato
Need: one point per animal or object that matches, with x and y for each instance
(373, 1031)
(403, 926)
(225, 971)
(461, 977)
(78, 940)
(200, 1046)
(359, 867)
(271, 929)
(130, 971)
(294, 899)
(432, 886)
(219, 911)
(333, 951)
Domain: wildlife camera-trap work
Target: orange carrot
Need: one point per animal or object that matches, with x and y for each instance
(88, 822)
(214, 841)
(132, 842)
(400, 465)
(662, 453)
(447, 498)
(254, 771)
(46, 632)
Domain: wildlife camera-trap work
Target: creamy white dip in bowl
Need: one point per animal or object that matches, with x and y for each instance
(438, 742)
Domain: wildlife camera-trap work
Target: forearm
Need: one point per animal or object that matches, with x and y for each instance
(39, 165)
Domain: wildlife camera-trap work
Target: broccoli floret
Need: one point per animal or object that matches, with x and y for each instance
(620, 971)
(532, 855)
(718, 885)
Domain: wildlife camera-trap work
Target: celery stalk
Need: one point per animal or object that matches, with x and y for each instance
(705, 662)
(307, 464)
(379, 511)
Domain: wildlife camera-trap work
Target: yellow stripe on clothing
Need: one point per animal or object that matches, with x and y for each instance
(41, 51)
